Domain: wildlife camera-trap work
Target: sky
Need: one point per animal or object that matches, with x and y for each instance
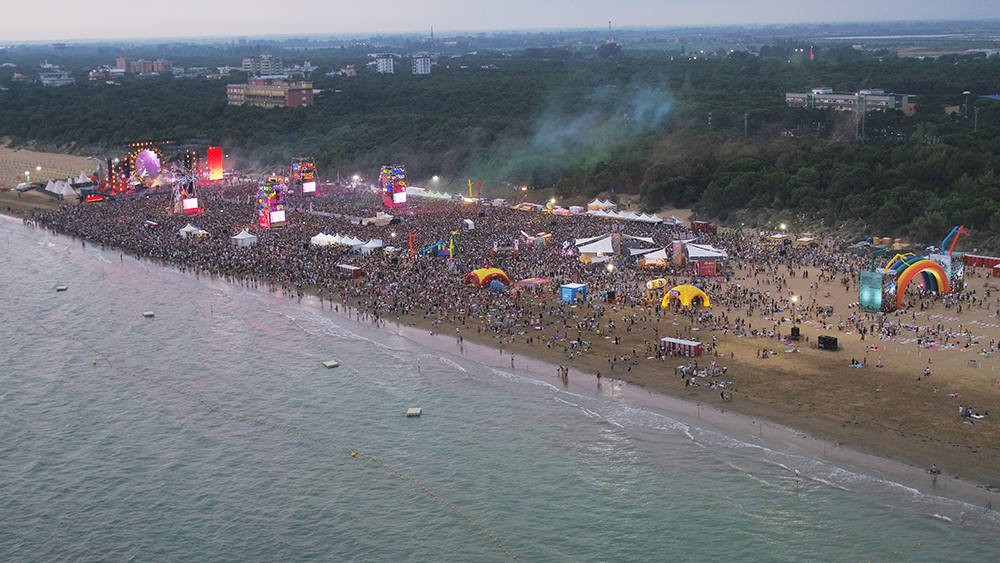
(68, 20)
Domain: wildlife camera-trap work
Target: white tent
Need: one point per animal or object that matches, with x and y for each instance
(415, 191)
(61, 188)
(321, 239)
(244, 239)
(82, 178)
(660, 254)
(189, 229)
(580, 241)
(635, 251)
(49, 186)
(705, 252)
(335, 239)
(371, 245)
(674, 221)
(577, 209)
(643, 239)
(597, 251)
(354, 243)
(655, 258)
(468, 224)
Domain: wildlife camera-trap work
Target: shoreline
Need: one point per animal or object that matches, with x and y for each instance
(755, 431)
(739, 419)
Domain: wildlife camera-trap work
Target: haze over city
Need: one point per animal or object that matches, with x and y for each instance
(115, 19)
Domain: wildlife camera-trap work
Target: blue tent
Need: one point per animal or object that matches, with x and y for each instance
(570, 292)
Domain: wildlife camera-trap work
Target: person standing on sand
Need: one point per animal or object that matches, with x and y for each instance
(598, 378)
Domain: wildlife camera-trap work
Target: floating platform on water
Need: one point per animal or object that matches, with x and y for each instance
(331, 364)
(61, 288)
(415, 411)
(147, 314)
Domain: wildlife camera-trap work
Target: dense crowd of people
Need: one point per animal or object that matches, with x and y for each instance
(751, 295)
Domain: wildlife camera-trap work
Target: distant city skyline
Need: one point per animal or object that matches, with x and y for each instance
(60, 20)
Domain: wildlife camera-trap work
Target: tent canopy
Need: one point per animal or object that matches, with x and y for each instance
(660, 254)
(244, 239)
(602, 246)
(704, 252)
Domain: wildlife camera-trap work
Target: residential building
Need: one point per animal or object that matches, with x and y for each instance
(421, 63)
(142, 66)
(384, 63)
(865, 100)
(56, 78)
(262, 65)
(271, 93)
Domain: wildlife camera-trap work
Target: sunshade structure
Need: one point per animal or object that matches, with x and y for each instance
(598, 251)
(655, 258)
(704, 252)
(484, 276)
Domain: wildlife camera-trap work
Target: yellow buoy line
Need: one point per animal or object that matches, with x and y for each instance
(354, 453)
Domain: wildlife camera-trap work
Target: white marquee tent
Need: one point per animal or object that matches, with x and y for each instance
(244, 239)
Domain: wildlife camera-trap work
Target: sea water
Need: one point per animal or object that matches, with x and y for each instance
(212, 432)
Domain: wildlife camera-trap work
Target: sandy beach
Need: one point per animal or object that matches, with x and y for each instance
(888, 408)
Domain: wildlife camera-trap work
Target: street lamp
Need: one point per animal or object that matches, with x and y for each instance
(783, 227)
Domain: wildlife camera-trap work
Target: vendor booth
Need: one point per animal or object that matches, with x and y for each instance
(679, 347)
(348, 271)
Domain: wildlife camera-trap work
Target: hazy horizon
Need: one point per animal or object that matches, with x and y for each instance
(114, 20)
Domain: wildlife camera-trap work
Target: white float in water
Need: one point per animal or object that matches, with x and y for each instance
(147, 314)
(415, 411)
(331, 364)
(61, 288)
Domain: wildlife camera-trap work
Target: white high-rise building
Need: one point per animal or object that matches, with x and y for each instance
(384, 63)
(422, 64)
